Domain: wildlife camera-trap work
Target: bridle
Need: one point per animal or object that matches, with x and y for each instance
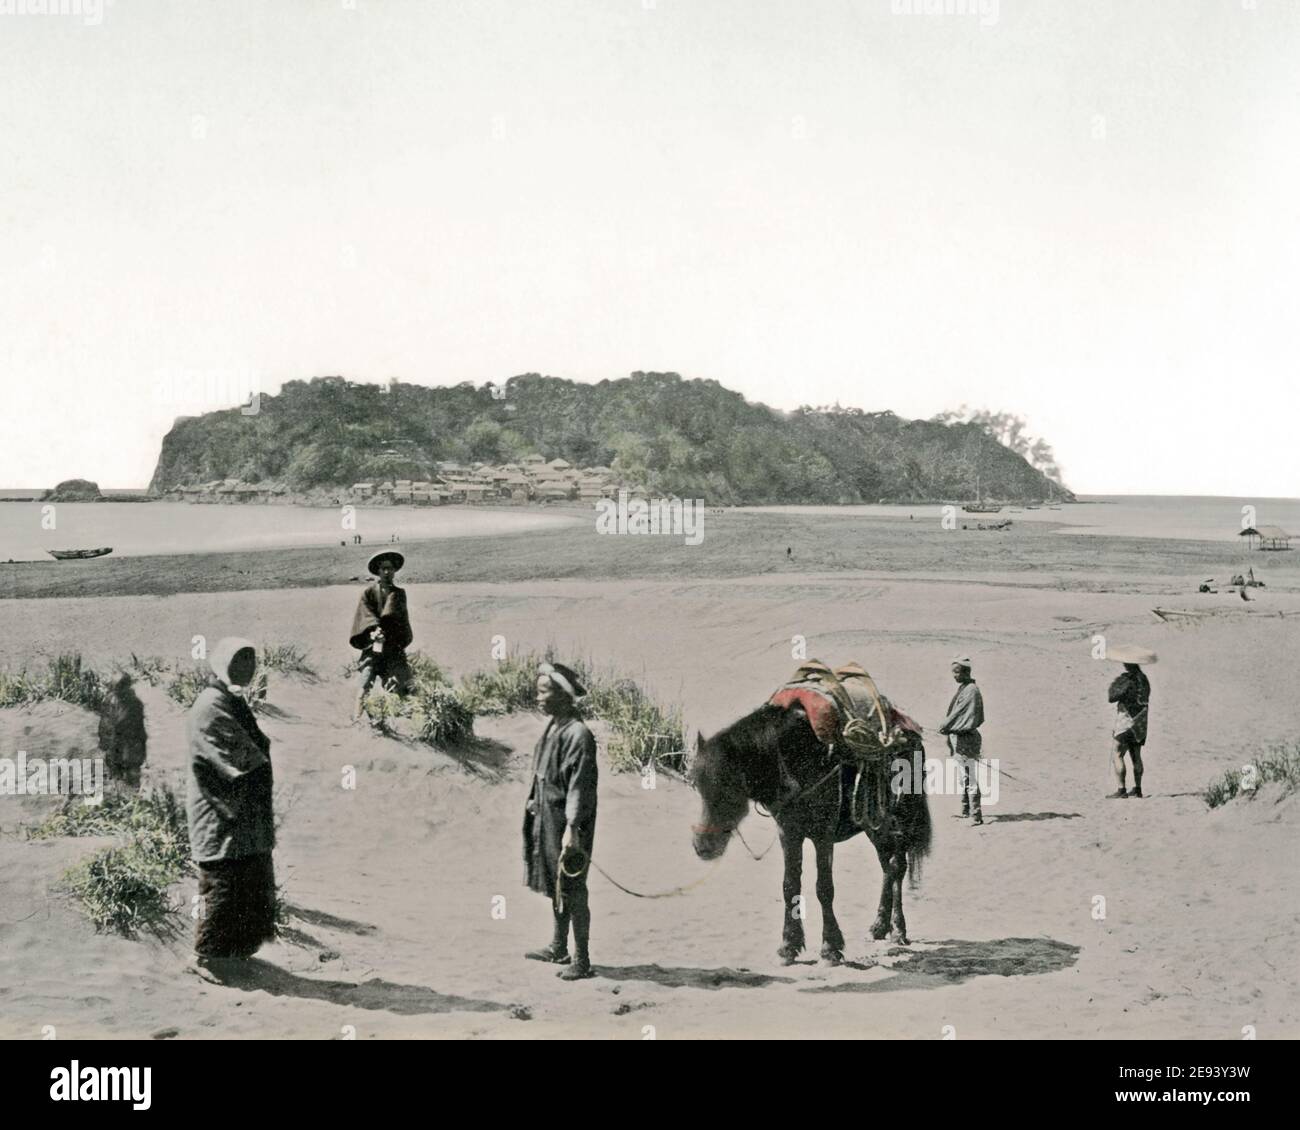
(772, 812)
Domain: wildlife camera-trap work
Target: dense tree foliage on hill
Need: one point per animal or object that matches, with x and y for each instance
(74, 490)
(688, 437)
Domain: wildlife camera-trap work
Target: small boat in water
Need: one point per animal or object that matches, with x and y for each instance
(78, 554)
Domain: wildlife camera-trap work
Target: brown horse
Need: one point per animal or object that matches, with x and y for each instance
(773, 758)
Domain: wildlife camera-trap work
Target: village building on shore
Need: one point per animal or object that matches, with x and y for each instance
(532, 479)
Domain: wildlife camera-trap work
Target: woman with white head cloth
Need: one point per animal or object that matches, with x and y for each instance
(231, 822)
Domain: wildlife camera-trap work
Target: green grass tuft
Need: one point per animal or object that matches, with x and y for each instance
(286, 658)
(642, 732)
(1279, 763)
(511, 686)
(124, 888)
(64, 679)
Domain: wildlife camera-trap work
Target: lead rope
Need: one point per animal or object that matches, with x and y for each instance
(562, 874)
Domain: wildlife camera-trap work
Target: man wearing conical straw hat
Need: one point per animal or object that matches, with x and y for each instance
(1131, 694)
(381, 630)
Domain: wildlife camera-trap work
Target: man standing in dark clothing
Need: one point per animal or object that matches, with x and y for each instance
(962, 728)
(381, 630)
(1131, 693)
(560, 819)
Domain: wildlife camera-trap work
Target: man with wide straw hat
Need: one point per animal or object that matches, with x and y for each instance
(1131, 694)
(381, 629)
(560, 818)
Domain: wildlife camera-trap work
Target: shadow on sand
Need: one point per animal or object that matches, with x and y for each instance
(256, 975)
(685, 977)
(330, 921)
(483, 756)
(1012, 817)
(951, 962)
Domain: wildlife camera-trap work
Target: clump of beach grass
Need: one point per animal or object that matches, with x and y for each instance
(510, 686)
(286, 658)
(151, 669)
(186, 684)
(65, 679)
(1279, 763)
(642, 732)
(441, 718)
(157, 816)
(123, 889)
(438, 715)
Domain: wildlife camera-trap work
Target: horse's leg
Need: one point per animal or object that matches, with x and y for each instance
(792, 941)
(897, 869)
(880, 927)
(832, 938)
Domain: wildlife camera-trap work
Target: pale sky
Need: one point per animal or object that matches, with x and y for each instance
(1087, 213)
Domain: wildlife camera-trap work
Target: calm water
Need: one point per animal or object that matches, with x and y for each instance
(1141, 516)
(178, 527)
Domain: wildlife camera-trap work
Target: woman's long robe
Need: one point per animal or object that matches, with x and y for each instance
(231, 824)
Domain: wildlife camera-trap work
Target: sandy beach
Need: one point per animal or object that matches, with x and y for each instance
(392, 884)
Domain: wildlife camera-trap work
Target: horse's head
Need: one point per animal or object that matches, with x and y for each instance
(718, 778)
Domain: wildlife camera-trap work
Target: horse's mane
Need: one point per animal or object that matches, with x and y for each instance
(759, 727)
(762, 729)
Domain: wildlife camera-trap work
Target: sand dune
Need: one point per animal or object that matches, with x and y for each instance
(393, 933)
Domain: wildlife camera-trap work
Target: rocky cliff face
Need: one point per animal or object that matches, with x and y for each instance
(74, 490)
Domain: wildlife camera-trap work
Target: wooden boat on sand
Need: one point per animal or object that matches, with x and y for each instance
(78, 554)
(1183, 615)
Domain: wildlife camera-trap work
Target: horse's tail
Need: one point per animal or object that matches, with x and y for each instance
(919, 831)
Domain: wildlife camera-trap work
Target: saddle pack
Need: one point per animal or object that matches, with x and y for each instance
(863, 730)
(847, 711)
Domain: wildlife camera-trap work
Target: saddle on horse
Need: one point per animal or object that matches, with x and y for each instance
(862, 729)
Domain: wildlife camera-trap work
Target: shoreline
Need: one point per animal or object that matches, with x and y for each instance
(737, 544)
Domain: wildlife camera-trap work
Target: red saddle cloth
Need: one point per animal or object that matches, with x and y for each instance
(824, 713)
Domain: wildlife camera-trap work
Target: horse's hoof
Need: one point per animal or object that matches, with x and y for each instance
(899, 938)
(878, 933)
(832, 957)
(787, 954)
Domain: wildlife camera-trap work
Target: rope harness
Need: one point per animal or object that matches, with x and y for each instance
(867, 746)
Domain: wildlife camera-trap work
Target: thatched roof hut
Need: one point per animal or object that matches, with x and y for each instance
(1270, 537)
